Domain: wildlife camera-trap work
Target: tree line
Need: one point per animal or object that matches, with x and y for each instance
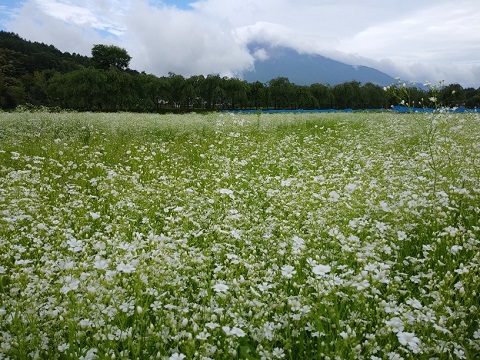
(40, 75)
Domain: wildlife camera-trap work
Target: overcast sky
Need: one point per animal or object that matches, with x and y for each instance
(421, 40)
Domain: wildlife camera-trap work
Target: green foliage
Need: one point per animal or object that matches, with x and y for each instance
(110, 56)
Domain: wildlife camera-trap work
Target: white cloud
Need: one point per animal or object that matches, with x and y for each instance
(441, 42)
(428, 40)
(35, 25)
(168, 39)
(277, 34)
(100, 15)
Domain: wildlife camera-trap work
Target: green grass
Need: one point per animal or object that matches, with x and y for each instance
(294, 236)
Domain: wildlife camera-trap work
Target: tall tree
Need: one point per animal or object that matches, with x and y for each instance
(194, 91)
(281, 91)
(177, 86)
(373, 96)
(257, 95)
(452, 95)
(347, 95)
(108, 56)
(212, 91)
(82, 89)
(236, 91)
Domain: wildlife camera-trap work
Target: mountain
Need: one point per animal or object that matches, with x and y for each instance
(307, 69)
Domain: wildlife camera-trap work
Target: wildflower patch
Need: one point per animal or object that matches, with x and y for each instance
(220, 236)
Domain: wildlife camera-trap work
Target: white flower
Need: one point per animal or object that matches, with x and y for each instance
(74, 245)
(455, 249)
(234, 331)
(71, 283)
(41, 226)
(94, 215)
(395, 324)
(401, 235)
(286, 182)
(177, 356)
(236, 234)
(278, 353)
(414, 303)
(459, 353)
(101, 264)
(321, 270)
(288, 271)
(409, 339)
(220, 288)
(394, 356)
(203, 335)
(85, 323)
(350, 187)
(333, 196)
(227, 192)
(298, 245)
(125, 268)
(211, 325)
(432, 99)
(385, 206)
(90, 355)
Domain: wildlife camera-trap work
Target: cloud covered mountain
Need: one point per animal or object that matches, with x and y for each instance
(305, 69)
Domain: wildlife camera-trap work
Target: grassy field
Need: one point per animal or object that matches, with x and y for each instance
(306, 236)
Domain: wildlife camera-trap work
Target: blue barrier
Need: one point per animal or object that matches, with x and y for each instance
(404, 109)
(397, 109)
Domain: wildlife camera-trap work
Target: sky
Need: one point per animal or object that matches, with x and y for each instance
(416, 40)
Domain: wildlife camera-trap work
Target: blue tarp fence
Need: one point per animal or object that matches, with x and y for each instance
(403, 109)
(397, 109)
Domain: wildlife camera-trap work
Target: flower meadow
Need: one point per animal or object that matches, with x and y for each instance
(246, 236)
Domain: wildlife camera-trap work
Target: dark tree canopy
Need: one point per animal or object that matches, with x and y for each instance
(108, 56)
(40, 75)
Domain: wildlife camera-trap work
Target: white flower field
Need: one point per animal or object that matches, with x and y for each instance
(220, 236)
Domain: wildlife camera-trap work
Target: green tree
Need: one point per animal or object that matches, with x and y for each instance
(373, 96)
(323, 95)
(3, 92)
(147, 98)
(257, 95)
(236, 90)
(35, 85)
(177, 85)
(452, 95)
(281, 90)
(82, 89)
(472, 97)
(194, 91)
(347, 95)
(119, 90)
(108, 56)
(212, 91)
(302, 98)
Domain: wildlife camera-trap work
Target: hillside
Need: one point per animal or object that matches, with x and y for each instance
(19, 57)
(307, 69)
